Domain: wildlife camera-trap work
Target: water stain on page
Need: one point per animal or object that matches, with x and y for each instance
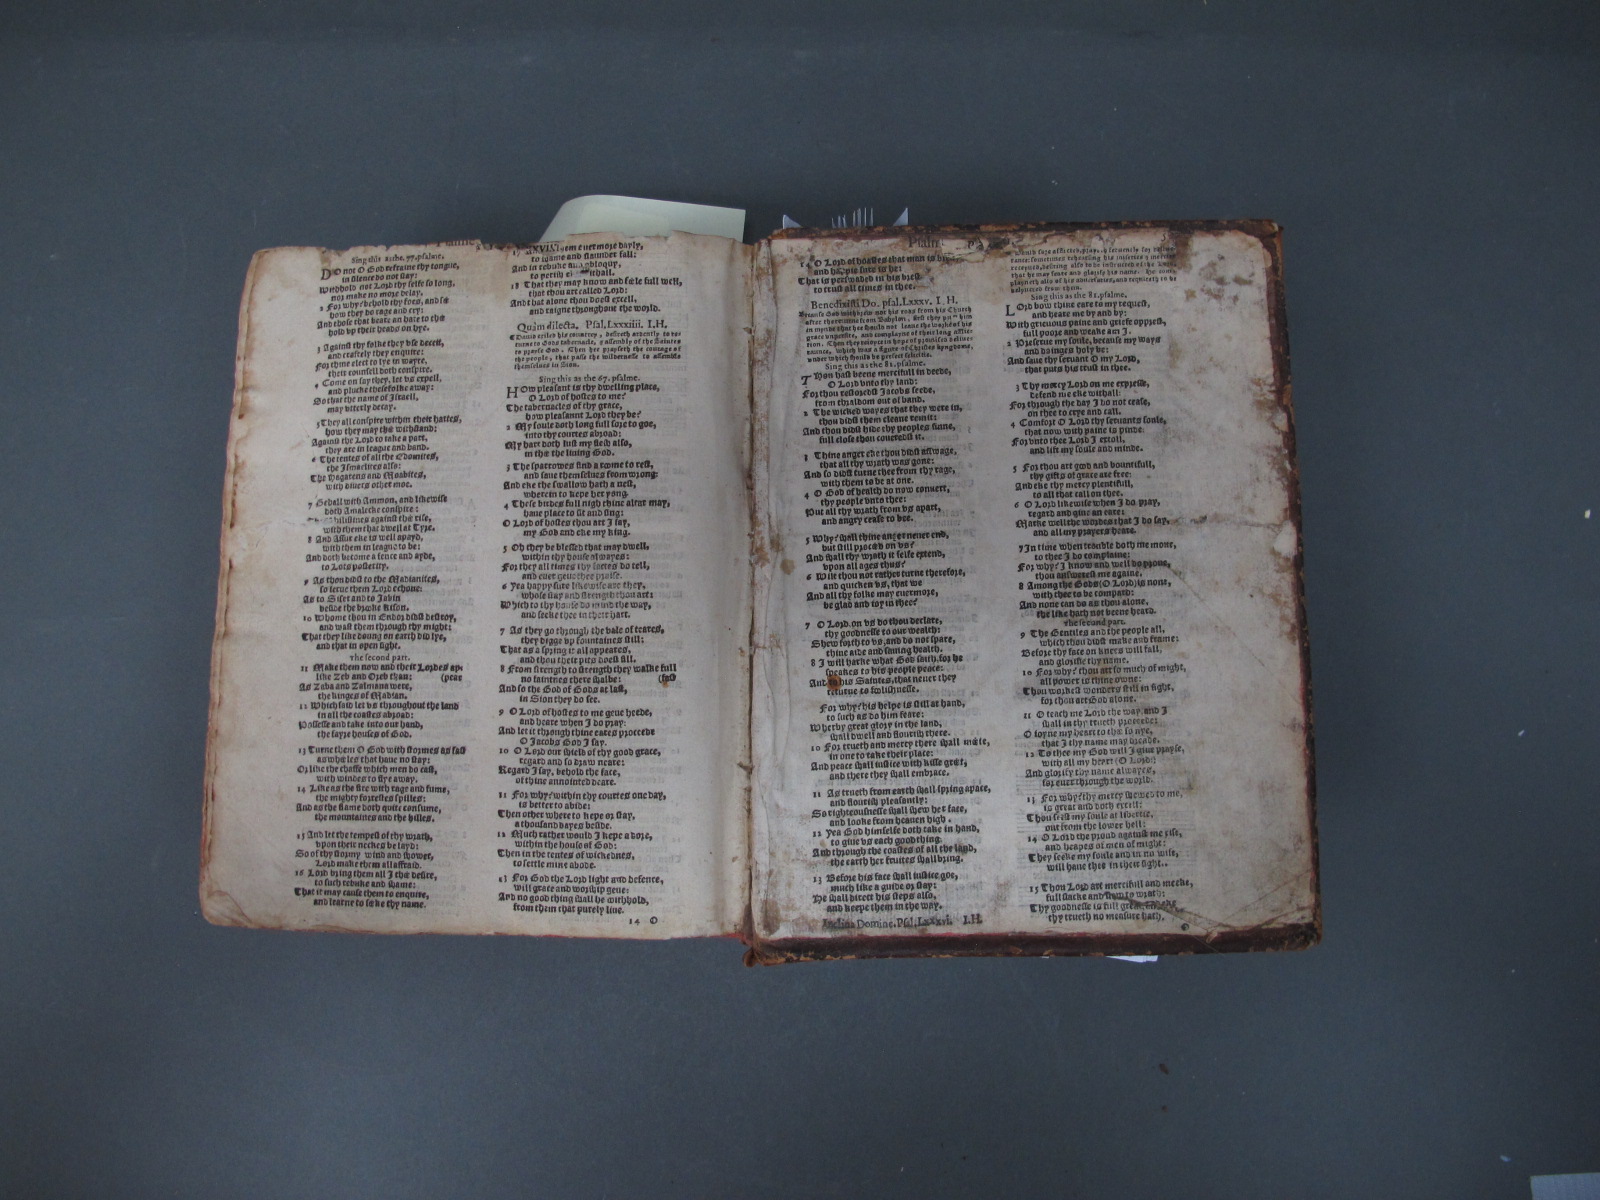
(1182, 244)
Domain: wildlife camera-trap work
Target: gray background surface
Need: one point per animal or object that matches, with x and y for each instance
(1435, 168)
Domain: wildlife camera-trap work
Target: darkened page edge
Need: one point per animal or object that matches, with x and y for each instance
(216, 905)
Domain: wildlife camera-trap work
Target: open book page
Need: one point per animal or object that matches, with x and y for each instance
(1029, 656)
(481, 659)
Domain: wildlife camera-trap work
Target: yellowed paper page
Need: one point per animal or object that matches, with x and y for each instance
(481, 651)
(1030, 654)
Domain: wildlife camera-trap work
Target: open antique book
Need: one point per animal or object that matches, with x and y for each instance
(910, 591)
